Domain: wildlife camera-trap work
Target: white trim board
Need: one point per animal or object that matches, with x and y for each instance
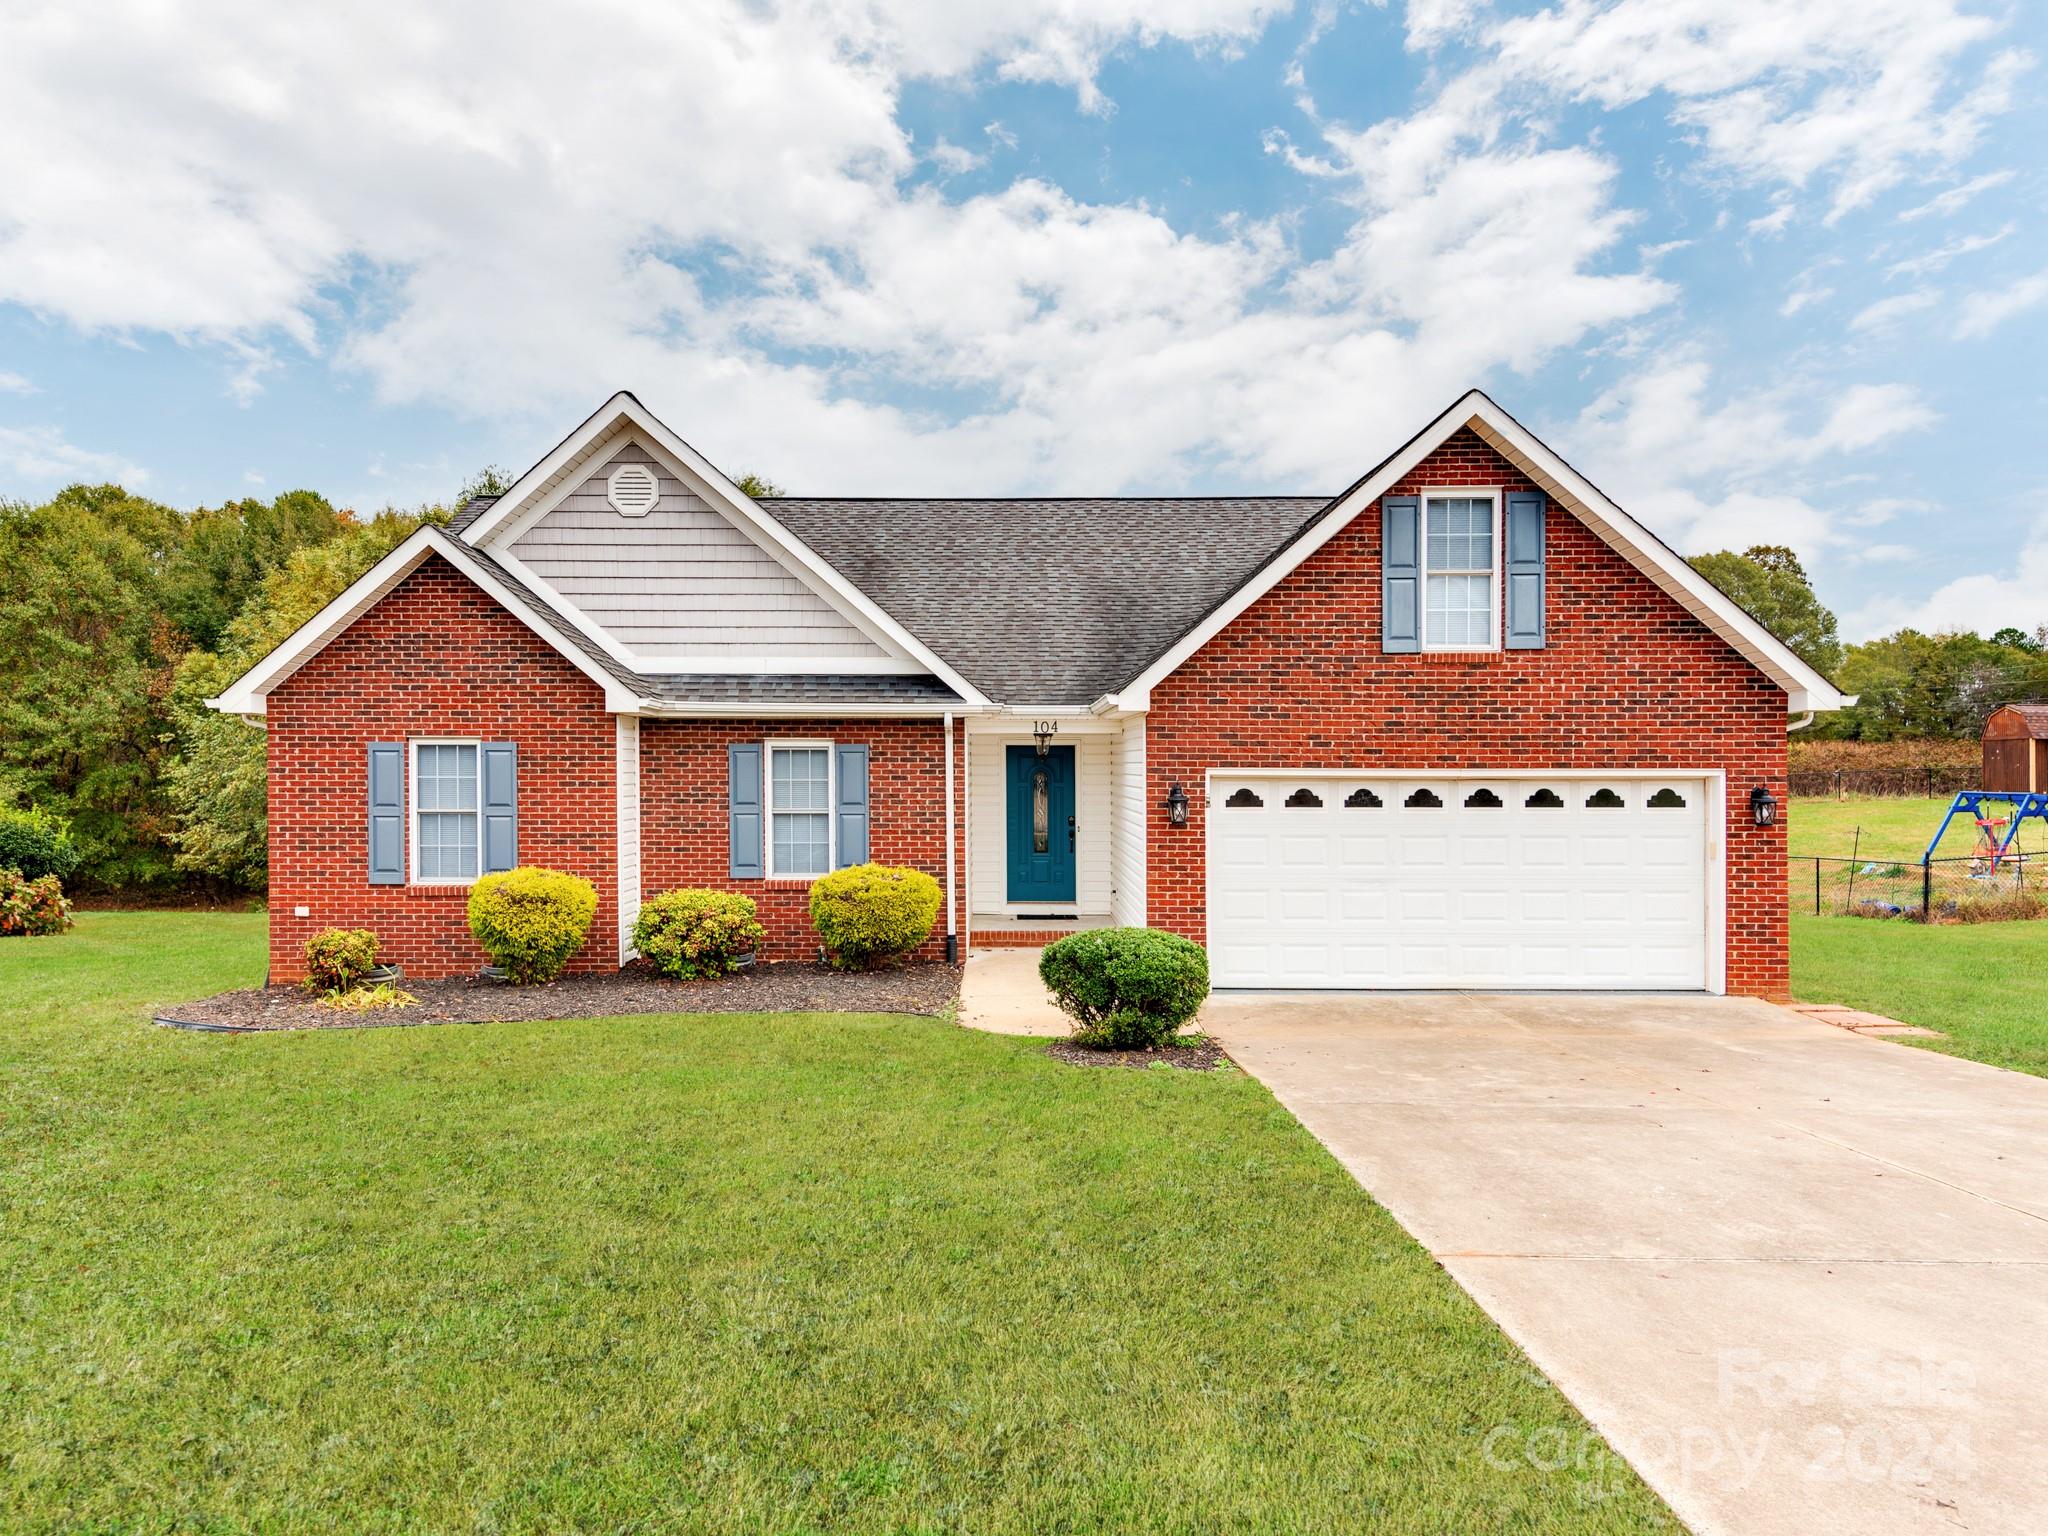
(623, 415)
(249, 694)
(1804, 687)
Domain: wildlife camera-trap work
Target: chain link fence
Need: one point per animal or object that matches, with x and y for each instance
(1967, 889)
(1938, 782)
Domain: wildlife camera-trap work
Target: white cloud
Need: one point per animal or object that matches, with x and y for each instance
(41, 458)
(1749, 468)
(1886, 313)
(1805, 293)
(2015, 594)
(1982, 313)
(1774, 222)
(954, 160)
(444, 209)
(1942, 255)
(1861, 92)
(16, 383)
(1887, 554)
(1955, 197)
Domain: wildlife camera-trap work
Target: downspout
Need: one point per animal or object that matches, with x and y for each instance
(1800, 724)
(952, 850)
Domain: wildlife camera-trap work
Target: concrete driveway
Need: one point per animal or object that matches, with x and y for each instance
(1797, 1277)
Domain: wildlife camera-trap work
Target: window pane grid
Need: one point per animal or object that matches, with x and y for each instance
(799, 804)
(445, 796)
(1458, 596)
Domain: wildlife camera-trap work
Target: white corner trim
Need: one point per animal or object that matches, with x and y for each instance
(624, 413)
(248, 694)
(1804, 687)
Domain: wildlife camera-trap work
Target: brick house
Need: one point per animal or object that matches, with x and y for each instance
(1465, 724)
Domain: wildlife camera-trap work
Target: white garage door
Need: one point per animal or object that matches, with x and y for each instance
(1465, 882)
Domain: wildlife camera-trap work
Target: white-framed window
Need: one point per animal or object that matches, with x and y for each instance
(447, 830)
(799, 830)
(1461, 570)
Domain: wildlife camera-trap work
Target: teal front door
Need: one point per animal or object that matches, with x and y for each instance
(1041, 817)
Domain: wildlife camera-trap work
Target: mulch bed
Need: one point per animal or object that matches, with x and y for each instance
(787, 987)
(1195, 1056)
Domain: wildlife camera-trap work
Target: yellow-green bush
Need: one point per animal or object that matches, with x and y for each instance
(688, 934)
(339, 958)
(530, 921)
(870, 913)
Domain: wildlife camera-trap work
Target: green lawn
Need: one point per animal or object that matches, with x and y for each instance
(1892, 829)
(703, 1274)
(1984, 984)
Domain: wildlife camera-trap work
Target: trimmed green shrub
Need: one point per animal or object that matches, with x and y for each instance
(530, 921)
(337, 959)
(1127, 989)
(868, 914)
(688, 934)
(32, 908)
(35, 842)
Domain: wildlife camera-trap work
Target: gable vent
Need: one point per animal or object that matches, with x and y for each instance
(632, 490)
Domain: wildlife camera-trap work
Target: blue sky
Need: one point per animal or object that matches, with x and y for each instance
(1763, 272)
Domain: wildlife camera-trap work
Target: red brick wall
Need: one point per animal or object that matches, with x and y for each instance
(1628, 680)
(683, 822)
(437, 657)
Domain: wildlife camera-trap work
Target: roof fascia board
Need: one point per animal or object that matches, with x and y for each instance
(1804, 687)
(248, 694)
(801, 709)
(1361, 495)
(501, 550)
(745, 513)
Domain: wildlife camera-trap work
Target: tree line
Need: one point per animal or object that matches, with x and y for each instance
(1909, 685)
(120, 616)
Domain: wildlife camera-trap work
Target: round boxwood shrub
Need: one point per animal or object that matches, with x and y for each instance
(530, 921)
(337, 959)
(32, 908)
(35, 842)
(1127, 989)
(688, 934)
(868, 914)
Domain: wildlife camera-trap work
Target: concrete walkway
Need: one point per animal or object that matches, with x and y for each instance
(1798, 1277)
(1001, 993)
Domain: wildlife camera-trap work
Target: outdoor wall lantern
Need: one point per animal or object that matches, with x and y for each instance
(1763, 807)
(1177, 805)
(1043, 731)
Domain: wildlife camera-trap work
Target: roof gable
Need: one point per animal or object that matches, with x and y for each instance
(884, 644)
(1805, 688)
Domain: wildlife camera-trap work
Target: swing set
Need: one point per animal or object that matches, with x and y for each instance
(1995, 836)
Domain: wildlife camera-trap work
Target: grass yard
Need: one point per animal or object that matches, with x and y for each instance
(1984, 984)
(711, 1273)
(1893, 828)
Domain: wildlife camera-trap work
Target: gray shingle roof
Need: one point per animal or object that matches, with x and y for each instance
(1034, 600)
(1048, 600)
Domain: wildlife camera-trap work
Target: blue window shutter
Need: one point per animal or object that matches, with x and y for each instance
(1526, 511)
(501, 806)
(387, 813)
(1400, 573)
(851, 774)
(743, 808)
